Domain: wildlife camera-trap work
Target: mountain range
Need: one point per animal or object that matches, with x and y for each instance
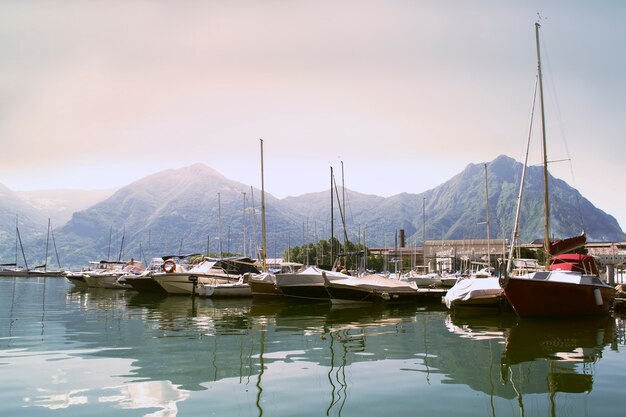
(196, 208)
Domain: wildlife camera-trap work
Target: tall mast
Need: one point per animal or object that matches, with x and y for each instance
(263, 231)
(487, 220)
(546, 241)
(243, 222)
(343, 188)
(332, 226)
(45, 262)
(109, 250)
(424, 232)
(219, 222)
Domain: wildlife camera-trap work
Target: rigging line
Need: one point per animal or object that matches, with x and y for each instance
(342, 214)
(19, 237)
(557, 108)
(54, 243)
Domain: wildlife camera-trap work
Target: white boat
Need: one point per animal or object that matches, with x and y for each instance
(86, 278)
(107, 273)
(143, 281)
(431, 279)
(175, 277)
(11, 270)
(449, 279)
(479, 292)
(376, 288)
(228, 290)
(264, 284)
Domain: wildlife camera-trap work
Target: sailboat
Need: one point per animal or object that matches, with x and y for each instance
(42, 270)
(13, 269)
(570, 285)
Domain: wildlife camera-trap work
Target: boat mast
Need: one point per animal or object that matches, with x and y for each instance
(487, 220)
(45, 263)
(109, 250)
(332, 226)
(219, 222)
(424, 233)
(546, 241)
(119, 257)
(263, 231)
(243, 222)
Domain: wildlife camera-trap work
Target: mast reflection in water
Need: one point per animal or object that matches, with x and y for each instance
(107, 352)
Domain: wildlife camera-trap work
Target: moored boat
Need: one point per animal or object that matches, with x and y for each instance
(144, 282)
(375, 288)
(307, 284)
(475, 292)
(225, 290)
(175, 277)
(264, 283)
(570, 285)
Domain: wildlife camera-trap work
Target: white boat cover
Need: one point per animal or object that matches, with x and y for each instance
(376, 282)
(469, 289)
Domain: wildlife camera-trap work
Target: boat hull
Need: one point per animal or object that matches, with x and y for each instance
(339, 294)
(145, 285)
(313, 291)
(264, 289)
(308, 284)
(530, 298)
(108, 281)
(225, 291)
(263, 285)
(78, 280)
(174, 283)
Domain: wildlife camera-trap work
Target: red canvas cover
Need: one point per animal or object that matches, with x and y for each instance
(574, 262)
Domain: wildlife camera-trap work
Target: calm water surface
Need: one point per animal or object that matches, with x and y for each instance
(117, 353)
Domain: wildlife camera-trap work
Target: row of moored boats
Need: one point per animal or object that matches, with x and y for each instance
(575, 277)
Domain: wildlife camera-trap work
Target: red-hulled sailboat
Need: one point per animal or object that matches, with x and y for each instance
(570, 285)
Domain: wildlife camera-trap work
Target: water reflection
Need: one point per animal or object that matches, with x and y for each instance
(96, 350)
(554, 356)
(527, 357)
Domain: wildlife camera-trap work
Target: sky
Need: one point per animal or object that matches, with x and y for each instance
(406, 93)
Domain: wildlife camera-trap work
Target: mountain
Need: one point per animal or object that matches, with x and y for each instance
(170, 212)
(186, 210)
(30, 222)
(60, 204)
(458, 205)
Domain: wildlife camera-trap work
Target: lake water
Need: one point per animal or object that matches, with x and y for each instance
(65, 352)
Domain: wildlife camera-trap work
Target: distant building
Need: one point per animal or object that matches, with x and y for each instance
(454, 255)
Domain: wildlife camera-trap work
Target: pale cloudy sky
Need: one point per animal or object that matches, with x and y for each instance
(97, 94)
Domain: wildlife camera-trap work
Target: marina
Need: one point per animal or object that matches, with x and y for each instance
(96, 351)
(446, 279)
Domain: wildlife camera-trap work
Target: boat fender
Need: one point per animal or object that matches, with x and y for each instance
(598, 296)
(209, 290)
(169, 266)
